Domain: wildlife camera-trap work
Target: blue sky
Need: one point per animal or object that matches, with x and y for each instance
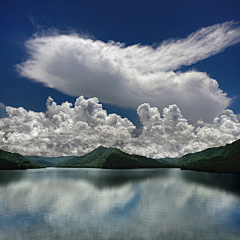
(156, 52)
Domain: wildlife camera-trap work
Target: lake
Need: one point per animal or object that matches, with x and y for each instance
(57, 203)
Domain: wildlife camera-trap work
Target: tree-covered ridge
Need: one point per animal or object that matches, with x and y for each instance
(9, 161)
(112, 158)
(219, 159)
(86, 160)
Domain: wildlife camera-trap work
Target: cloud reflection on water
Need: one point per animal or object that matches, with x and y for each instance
(126, 204)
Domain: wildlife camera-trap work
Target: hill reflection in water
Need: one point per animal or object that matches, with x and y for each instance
(118, 204)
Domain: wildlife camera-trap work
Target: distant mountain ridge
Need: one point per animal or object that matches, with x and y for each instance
(167, 160)
(225, 159)
(113, 158)
(50, 161)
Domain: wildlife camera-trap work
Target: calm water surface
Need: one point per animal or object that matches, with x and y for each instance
(118, 204)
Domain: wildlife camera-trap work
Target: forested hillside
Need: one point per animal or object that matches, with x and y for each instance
(112, 158)
(219, 159)
(10, 161)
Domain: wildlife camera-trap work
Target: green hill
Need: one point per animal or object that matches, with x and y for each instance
(50, 161)
(220, 159)
(10, 161)
(112, 158)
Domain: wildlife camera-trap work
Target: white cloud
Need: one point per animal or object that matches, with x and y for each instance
(75, 130)
(130, 76)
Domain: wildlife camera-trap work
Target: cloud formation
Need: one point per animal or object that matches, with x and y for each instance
(77, 129)
(132, 75)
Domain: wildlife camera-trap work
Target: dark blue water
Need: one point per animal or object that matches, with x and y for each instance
(118, 204)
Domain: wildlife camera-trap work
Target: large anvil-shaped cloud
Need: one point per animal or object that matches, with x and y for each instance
(132, 75)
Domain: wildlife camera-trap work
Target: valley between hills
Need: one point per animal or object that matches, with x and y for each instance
(225, 159)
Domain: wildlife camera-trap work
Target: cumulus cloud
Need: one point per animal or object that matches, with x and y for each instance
(128, 76)
(77, 129)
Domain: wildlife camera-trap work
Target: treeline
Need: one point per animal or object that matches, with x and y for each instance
(112, 158)
(225, 159)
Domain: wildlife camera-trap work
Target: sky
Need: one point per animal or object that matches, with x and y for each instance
(155, 78)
